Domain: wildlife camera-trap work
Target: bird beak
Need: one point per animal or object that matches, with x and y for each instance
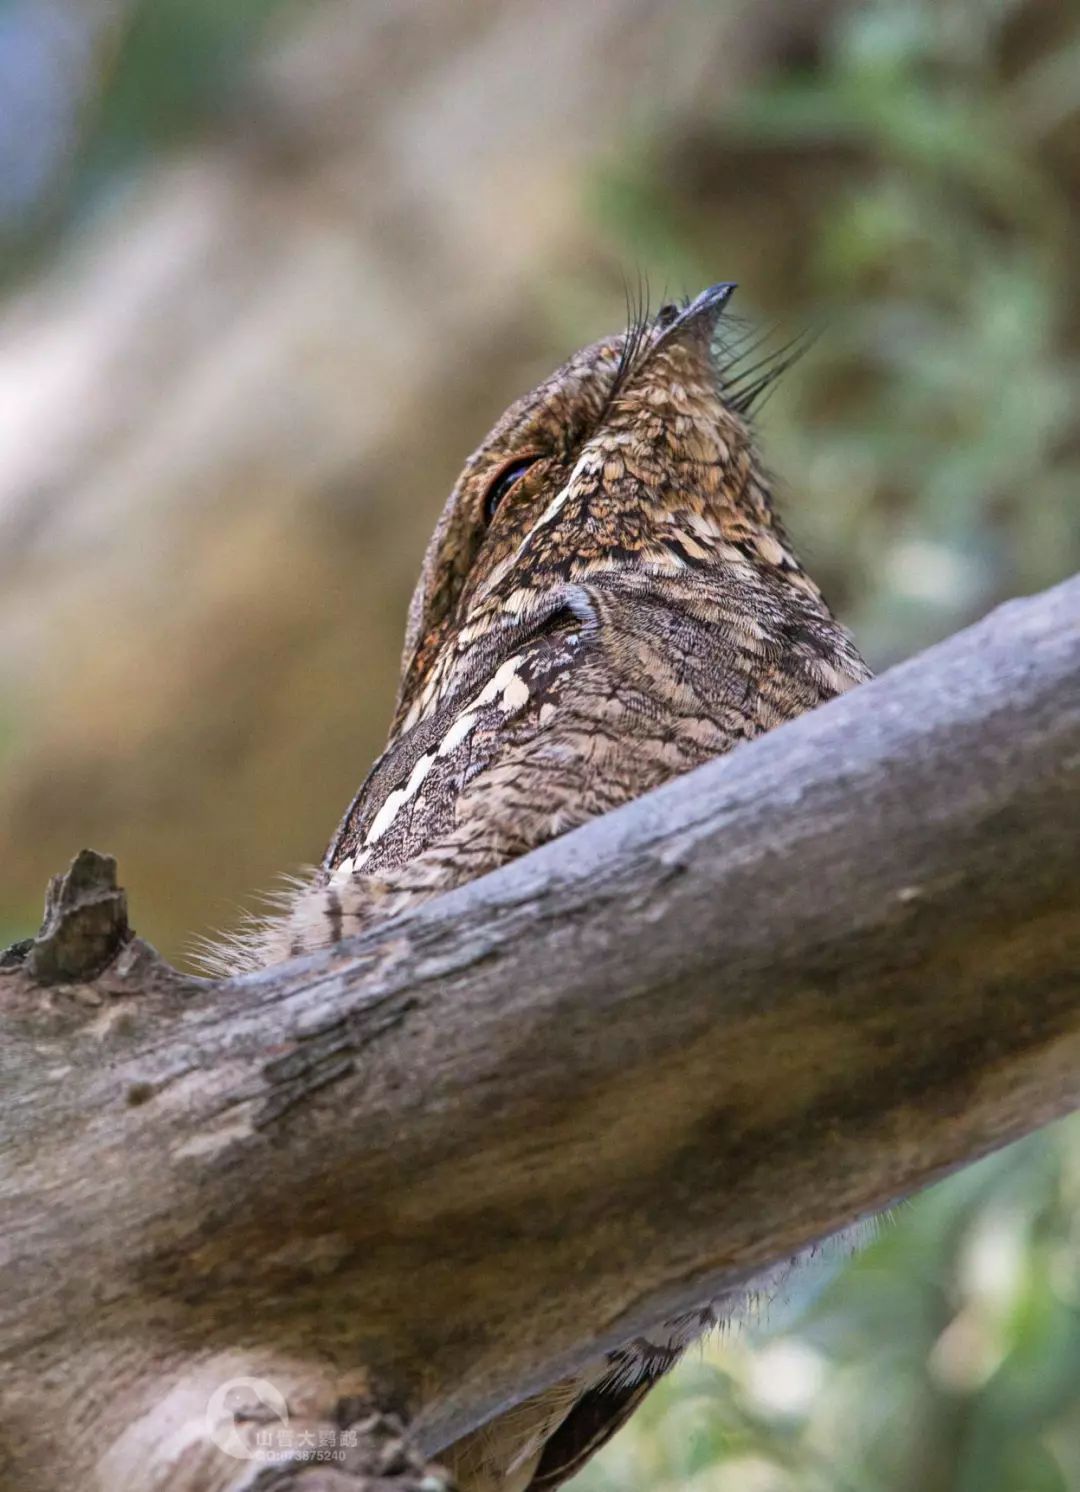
(711, 301)
(698, 322)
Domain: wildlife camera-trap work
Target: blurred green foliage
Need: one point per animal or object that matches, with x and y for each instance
(946, 1356)
(148, 73)
(176, 65)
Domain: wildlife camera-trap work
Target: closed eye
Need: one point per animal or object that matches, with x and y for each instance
(504, 479)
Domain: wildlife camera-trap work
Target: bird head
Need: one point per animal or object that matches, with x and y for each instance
(635, 454)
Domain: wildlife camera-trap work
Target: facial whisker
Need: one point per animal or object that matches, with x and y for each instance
(747, 396)
(771, 359)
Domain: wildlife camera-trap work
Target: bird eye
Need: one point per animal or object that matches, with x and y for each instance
(502, 482)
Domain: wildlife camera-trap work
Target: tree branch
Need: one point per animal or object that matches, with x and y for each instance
(435, 1168)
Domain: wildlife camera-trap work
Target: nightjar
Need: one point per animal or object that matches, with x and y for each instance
(608, 600)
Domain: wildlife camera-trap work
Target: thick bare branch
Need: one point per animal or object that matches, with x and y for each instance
(441, 1165)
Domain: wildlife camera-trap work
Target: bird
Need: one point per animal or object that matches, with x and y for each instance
(609, 599)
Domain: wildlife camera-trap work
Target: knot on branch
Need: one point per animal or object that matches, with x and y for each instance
(85, 926)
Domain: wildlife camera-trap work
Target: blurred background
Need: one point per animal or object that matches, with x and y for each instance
(269, 270)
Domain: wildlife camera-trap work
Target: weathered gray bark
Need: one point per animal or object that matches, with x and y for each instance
(441, 1165)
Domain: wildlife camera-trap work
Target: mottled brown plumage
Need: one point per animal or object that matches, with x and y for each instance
(630, 608)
